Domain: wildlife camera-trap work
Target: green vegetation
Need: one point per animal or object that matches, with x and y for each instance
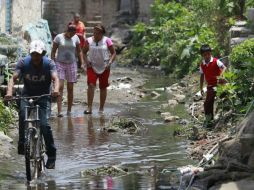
(5, 41)
(176, 32)
(238, 92)
(6, 117)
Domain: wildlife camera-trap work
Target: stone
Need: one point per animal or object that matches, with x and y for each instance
(163, 106)
(171, 118)
(39, 30)
(155, 94)
(245, 184)
(236, 158)
(172, 103)
(237, 40)
(240, 23)
(251, 160)
(124, 79)
(165, 114)
(5, 138)
(179, 98)
(250, 15)
(3, 62)
(184, 122)
(168, 90)
(236, 31)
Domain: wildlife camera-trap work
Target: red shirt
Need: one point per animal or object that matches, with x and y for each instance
(211, 72)
(80, 31)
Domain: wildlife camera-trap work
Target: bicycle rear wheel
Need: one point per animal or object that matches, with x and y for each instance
(30, 154)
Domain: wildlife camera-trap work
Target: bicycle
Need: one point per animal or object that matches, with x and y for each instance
(34, 143)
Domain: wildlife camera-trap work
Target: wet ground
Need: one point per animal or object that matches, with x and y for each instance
(82, 144)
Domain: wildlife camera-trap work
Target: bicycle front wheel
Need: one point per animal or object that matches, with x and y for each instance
(30, 154)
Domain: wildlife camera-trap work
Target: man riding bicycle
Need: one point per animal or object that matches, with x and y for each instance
(37, 71)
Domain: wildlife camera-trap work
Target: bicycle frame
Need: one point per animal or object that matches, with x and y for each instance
(32, 124)
(34, 143)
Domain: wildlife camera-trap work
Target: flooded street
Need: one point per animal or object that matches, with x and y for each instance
(82, 144)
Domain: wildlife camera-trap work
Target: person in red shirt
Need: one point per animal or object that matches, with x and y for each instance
(210, 68)
(80, 31)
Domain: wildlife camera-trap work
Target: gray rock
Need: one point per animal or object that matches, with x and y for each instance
(172, 103)
(171, 118)
(240, 23)
(180, 98)
(165, 114)
(250, 15)
(5, 138)
(41, 31)
(238, 40)
(236, 31)
(3, 60)
(163, 106)
(155, 94)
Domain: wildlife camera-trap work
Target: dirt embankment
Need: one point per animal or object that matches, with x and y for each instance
(225, 152)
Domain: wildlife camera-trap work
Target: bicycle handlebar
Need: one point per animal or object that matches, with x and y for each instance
(28, 97)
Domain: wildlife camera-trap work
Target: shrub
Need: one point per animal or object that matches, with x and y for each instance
(239, 90)
(6, 117)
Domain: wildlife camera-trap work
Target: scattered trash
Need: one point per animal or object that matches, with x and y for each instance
(112, 171)
(125, 125)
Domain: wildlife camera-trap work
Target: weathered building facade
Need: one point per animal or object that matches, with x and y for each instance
(60, 12)
(17, 14)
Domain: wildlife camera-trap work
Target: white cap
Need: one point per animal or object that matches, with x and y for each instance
(37, 46)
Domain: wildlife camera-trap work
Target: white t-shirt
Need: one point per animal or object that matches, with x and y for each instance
(66, 52)
(98, 54)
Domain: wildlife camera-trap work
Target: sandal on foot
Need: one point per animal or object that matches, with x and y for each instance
(60, 115)
(87, 112)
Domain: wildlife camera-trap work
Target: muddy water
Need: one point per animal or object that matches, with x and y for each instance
(82, 144)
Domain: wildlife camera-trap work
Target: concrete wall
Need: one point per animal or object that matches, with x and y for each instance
(2, 15)
(60, 12)
(110, 8)
(23, 12)
(93, 8)
(144, 10)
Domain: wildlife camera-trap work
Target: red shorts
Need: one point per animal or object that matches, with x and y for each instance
(103, 78)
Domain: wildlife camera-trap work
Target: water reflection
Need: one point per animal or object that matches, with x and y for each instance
(90, 130)
(64, 128)
(93, 137)
(83, 144)
(97, 182)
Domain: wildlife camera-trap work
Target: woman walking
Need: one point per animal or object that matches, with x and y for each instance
(99, 55)
(67, 45)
